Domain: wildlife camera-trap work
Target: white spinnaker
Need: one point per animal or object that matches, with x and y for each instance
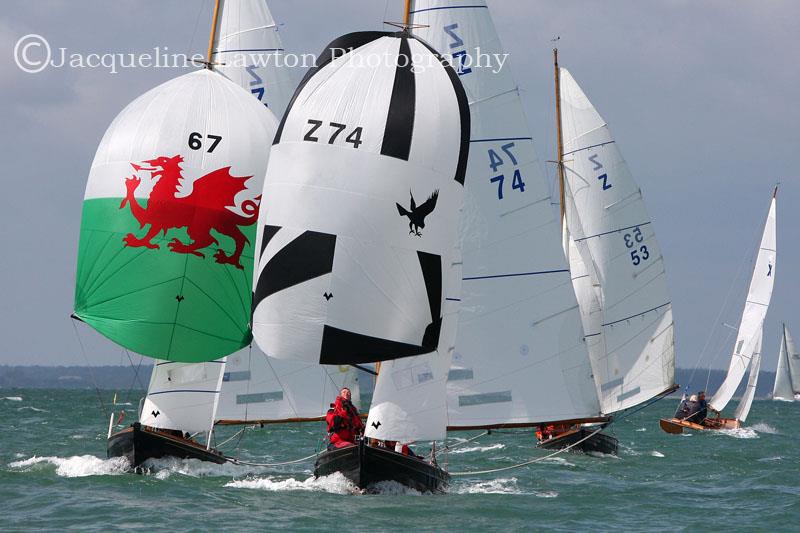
(755, 309)
(341, 277)
(743, 409)
(248, 50)
(257, 388)
(616, 241)
(783, 390)
(520, 355)
(183, 396)
(410, 398)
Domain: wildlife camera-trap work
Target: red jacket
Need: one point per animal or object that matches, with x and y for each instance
(344, 424)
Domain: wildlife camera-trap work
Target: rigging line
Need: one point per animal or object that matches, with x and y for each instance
(461, 443)
(196, 25)
(135, 375)
(91, 373)
(247, 463)
(532, 461)
(293, 408)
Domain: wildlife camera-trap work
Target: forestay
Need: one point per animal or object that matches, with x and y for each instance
(755, 309)
(165, 256)
(743, 409)
(248, 50)
(520, 356)
(183, 396)
(787, 375)
(631, 340)
(361, 205)
(257, 388)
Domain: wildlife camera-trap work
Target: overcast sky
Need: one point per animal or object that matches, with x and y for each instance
(702, 97)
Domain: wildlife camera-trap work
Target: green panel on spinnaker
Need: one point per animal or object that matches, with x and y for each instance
(157, 302)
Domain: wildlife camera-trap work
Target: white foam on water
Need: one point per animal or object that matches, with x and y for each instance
(655, 453)
(77, 437)
(770, 459)
(740, 433)
(12, 398)
(497, 446)
(492, 486)
(335, 483)
(557, 461)
(763, 427)
(77, 465)
(546, 494)
(641, 429)
(19, 455)
(601, 455)
(392, 488)
(166, 466)
(32, 408)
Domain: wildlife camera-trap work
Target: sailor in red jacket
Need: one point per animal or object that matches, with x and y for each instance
(344, 424)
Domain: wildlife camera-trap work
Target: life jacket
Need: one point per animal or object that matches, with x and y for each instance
(344, 424)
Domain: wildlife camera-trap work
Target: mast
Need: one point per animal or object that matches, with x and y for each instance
(560, 143)
(213, 34)
(406, 14)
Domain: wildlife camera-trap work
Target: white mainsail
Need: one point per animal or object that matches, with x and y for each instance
(248, 50)
(257, 388)
(627, 311)
(183, 396)
(520, 357)
(755, 309)
(787, 375)
(743, 409)
(364, 185)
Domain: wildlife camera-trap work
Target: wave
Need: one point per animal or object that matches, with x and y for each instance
(166, 466)
(740, 433)
(763, 427)
(497, 446)
(75, 466)
(493, 486)
(32, 408)
(640, 429)
(12, 398)
(655, 453)
(556, 461)
(335, 483)
(770, 459)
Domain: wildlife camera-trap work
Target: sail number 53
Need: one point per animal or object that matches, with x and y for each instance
(496, 161)
(639, 251)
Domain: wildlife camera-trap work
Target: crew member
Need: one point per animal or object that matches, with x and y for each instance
(700, 411)
(344, 423)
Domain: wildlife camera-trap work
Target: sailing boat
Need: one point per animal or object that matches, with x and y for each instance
(617, 268)
(518, 303)
(787, 376)
(181, 161)
(357, 242)
(747, 349)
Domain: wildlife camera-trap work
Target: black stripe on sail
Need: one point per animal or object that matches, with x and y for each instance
(307, 257)
(340, 347)
(269, 233)
(431, 266)
(463, 111)
(400, 120)
(336, 48)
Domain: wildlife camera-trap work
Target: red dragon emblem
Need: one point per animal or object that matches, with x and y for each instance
(205, 209)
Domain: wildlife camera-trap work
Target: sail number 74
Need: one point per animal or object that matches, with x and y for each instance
(633, 240)
(496, 161)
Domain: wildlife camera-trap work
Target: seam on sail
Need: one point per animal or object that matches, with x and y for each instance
(497, 139)
(182, 390)
(545, 199)
(588, 147)
(515, 274)
(448, 7)
(637, 314)
(492, 97)
(249, 50)
(612, 231)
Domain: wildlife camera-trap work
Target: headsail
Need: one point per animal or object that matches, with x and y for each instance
(183, 396)
(787, 375)
(364, 185)
(743, 409)
(520, 356)
(755, 309)
(165, 254)
(248, 50)
(631, 340)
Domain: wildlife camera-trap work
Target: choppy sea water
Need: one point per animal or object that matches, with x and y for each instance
(54, 475)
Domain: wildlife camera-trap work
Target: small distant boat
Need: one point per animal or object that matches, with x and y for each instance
(787, 375)
(175, 165)
(747, 349)
(357, 242)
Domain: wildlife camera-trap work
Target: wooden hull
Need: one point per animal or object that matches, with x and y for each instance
(364, 466)
(597, 443)
(139, 443)
(676, 426)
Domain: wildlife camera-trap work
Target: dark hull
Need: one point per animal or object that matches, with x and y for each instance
(597, 443)
(364, 466)
(138, 444)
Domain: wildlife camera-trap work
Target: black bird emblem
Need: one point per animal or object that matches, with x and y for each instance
(416, 216)
(328, 295)
(179, 298)
(376, 424)
(155, 413)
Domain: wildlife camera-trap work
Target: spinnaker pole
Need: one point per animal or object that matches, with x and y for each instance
(209, 64)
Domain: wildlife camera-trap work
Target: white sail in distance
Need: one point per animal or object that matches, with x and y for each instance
(365, 186)
(631, 341)
(520, 357)
(183, 396)
(257, 388)
(787, 374)
(248, 50)
(743, 409)
(755, 309)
